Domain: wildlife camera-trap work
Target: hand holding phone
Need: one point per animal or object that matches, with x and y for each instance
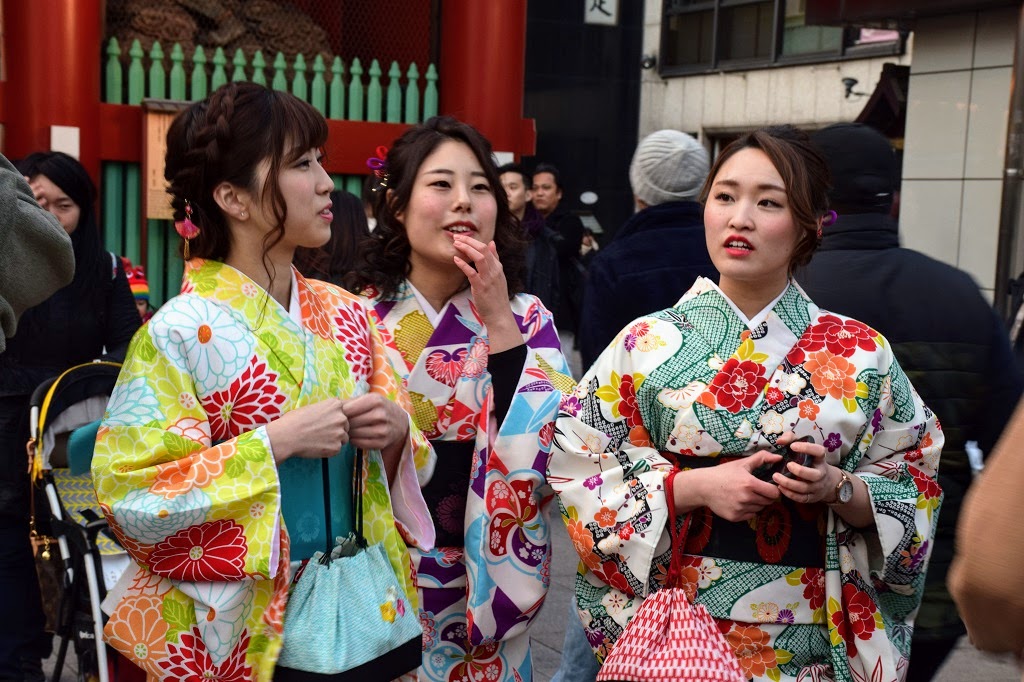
(765, 473)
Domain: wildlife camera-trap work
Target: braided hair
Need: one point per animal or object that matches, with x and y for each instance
(226, 138)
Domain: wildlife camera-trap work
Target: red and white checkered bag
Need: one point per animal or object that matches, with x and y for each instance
(669, 639)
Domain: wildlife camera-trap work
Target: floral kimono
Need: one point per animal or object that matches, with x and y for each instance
(799, 593)
(481, 587)
(185, 473)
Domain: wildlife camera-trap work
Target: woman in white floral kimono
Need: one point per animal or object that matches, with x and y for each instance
(812, 575)
(236, 390)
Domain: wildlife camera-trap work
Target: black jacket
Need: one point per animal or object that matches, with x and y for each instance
(649, 264)
(69, 328)
(947, 338)
(566, 237)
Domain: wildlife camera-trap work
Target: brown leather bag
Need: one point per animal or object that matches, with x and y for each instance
(46, 553)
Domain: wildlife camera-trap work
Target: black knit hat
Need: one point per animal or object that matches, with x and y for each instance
(864, 168)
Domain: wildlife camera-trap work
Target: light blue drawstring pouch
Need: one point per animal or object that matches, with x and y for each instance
(348, 615)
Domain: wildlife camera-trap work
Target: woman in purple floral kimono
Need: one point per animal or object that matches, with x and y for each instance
(483, 368)
(813, 571)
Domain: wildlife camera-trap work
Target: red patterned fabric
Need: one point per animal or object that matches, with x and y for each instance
(669, 639)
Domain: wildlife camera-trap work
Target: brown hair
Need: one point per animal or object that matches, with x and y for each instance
(803, 171)
(385, 262)
(224, 138)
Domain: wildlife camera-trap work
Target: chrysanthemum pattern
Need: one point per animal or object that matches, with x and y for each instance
(185, 471)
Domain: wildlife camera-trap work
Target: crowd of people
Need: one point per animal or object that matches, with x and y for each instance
(492, 365)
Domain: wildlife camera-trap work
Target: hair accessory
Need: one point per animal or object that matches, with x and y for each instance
(829, 218)
(379, 165)
(186, 228)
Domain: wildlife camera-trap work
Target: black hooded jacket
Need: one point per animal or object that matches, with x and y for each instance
(948, 339)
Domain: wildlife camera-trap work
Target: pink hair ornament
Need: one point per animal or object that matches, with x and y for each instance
(186, 228)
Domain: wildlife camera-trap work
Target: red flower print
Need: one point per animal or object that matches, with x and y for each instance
(832, 375)
(774, 396)
(856, 620)
(737, 384)
(251, 400)
(209, 551)
(444, 367)
(515, 527)
(627, 405)
(840, 337)
(354, 337)
(478, 663)
(609, 574)
(476, 360)
(927, 486)
(814, 587)
(189, 660)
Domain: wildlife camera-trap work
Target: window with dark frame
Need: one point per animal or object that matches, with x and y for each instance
(724, 35)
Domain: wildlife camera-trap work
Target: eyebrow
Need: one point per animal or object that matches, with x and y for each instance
(451, 172)
(762, 186)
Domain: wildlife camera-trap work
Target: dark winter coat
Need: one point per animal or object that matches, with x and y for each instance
(649, 264)
(953, 346)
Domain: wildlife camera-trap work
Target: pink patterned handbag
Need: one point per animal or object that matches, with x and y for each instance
(669, 639)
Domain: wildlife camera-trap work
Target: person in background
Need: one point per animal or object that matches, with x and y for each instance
(540, 276)
(31, 240)
(92, 317)
(140, 288)
(335, 261)
(567, 238)
(660, 250)
(231, 389)
(813, 570)
(947, 337)
(483, 366)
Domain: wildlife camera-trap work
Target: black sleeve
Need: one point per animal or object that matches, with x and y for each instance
(594, 333)
(570, 227)
(122, 317)
(505, 367)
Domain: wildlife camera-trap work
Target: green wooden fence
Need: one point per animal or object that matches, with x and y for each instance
(337, 91)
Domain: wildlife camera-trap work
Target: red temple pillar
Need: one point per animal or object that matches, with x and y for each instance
(482, 66)
(53, 74)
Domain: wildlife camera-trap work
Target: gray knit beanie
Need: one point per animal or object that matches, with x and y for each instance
(668, 166)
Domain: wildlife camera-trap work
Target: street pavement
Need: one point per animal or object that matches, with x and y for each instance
(966, 663)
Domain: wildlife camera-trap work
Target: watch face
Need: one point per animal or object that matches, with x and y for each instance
(845, 491)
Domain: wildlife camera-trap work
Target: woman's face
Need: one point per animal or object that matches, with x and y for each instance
(306, 188)
(750, 231)
(450, 195)
(53, 199)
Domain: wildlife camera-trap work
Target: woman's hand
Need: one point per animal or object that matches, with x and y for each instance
(730, 490)
(376, 423)
(314, 431)
(812, 483)
(489, 290)
(37, 193)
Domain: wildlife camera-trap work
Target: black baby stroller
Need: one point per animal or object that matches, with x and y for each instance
(64, 415)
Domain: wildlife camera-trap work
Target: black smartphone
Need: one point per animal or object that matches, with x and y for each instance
(766, 472)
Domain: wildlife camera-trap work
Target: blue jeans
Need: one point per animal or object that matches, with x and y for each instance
(578, 662)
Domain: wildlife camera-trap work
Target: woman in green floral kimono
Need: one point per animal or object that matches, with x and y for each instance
(236, 387)
(813, 572)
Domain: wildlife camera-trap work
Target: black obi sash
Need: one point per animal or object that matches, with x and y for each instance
(785, 533)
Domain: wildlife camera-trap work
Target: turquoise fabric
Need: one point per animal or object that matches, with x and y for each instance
(302, 501)
(81, 443)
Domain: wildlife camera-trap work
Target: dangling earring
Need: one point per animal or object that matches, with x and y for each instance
(186, 228)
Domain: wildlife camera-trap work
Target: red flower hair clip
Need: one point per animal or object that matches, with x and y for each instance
(379, 165)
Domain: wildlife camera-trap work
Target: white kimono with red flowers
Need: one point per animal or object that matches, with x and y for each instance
(185, 472)
(798, 592)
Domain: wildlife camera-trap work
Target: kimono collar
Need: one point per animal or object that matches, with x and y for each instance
(793, 308)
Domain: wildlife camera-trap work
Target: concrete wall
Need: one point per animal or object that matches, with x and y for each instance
(809, 96)
(955, 142)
